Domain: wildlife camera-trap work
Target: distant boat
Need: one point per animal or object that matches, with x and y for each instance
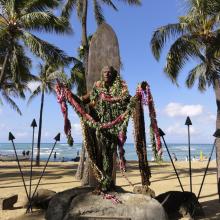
(13, 157)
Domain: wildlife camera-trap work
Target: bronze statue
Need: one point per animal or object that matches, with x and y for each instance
(105, 124)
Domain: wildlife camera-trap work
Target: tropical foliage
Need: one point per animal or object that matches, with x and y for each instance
(196, 36)
(18, 20)
(81, 7)
(97, 7)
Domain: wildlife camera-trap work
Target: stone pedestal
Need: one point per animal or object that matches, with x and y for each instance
(81, 203)
(8, 202)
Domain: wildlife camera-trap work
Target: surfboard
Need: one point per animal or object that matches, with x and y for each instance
(103, 51)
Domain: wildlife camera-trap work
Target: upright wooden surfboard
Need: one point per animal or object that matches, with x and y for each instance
(103, 50)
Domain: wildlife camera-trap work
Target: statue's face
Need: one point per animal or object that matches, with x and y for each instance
(107, 74)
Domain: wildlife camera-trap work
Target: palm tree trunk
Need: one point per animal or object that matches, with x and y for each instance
(3, 68)
(79, 172)
(39, 130)
(217, 94)
(83, 171)
(84, 35)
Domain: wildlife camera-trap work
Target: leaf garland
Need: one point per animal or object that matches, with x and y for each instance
(114, 107)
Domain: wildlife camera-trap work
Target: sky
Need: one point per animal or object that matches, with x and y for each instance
(134, 27)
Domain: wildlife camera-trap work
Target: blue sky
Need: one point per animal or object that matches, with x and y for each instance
(134, 27)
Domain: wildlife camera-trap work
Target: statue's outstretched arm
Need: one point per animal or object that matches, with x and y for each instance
(85, 98)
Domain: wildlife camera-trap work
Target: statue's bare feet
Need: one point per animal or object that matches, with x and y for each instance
(97, 191)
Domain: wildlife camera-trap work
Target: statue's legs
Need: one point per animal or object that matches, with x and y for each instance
(108, 150)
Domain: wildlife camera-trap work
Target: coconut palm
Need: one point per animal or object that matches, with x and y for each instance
(47, 79)
(196, 36)
(18, 18)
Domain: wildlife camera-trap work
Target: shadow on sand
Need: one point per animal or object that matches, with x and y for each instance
(211, 209)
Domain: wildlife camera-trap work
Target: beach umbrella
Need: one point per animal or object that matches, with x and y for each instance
(11, 138)
(188, 123)
(162, 134)
(57, 138)
(216, 135)
(33, 125)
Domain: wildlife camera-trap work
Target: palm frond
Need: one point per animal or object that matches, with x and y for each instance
(79, 8)
(20, 64)
(184, 48)
(11, 103)
(195, 73)
(78, 78)
(202, 84)
(34, 94)
(45, 21)
(162, 34)
(132, 2)
(110, 3)
(98, 12)
(68, 7)
(44, 50)
(38, 5)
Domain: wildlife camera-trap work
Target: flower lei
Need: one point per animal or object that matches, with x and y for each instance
(147, 99)
(118, 125)
(120, 122)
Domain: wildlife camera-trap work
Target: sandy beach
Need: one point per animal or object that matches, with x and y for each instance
(60, 176)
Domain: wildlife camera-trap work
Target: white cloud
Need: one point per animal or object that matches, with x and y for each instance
(33, 85)
(179, 129)
(177, 109)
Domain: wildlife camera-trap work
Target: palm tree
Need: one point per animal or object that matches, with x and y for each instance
(82, 8)
(196, 36)
(47, 79)
(18, 18)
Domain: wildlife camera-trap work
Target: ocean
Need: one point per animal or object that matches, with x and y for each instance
(64, 151)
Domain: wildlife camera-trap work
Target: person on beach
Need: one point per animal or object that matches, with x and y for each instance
(201, 156)
(27, 153)
(174, 157)
(55, 155)
(23, 153)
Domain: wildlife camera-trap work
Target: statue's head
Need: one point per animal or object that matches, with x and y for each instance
(108, 74)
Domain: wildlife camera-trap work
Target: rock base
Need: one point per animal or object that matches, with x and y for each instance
(8, 202)
(81, 203)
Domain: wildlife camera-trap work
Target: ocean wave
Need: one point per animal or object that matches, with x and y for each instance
(182, 148)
